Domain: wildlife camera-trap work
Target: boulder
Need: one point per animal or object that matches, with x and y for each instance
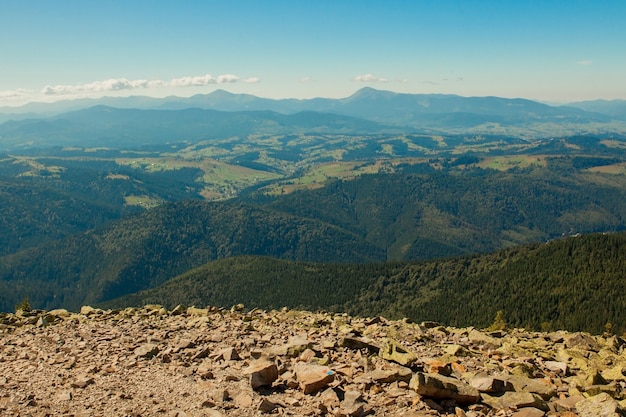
(442, 387)
(262, 373)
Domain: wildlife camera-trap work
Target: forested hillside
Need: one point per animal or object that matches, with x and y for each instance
(575, 283)
(39, 204)
(402, 216)
(445, 213)
(145, 250)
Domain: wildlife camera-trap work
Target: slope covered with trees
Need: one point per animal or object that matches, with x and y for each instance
(445, 213)
(394, 217)
(575, 283)
(145, 250)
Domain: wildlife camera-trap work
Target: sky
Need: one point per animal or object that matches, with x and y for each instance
(550, 50)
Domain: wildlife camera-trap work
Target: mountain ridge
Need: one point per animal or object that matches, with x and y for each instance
(372, 104)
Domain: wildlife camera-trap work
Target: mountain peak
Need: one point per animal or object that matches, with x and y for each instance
(369, 93)
(221, 93)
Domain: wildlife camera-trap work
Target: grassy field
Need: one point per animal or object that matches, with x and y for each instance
(286, 163)
(504, 163)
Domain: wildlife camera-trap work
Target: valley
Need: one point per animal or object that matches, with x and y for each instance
(102, 203)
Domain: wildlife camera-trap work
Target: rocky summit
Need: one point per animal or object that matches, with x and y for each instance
(215, 362)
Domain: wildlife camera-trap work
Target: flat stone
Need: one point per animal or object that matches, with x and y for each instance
(229, 354)
(567, 404)
(515, 400)
(601, 405)
(243, 400)
(392, 350)
(212, 413)
(481, 339)
(491, 384)
(525, 384)
(353, 404)
(82, 382)
(88, 310)
(200, 312)
(313, 378)
(64, 396)
(266, 406)
(148, 350)
(529, 412)
(357, 343)
(386, 376)
(443, 387)
(615, 373)
(555, 366)
(456, 350)
(329, 398)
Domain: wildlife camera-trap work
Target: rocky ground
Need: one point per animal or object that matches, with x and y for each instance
(214, 362)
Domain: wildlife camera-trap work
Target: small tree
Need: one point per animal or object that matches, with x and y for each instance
(498, 323)
(24, 305)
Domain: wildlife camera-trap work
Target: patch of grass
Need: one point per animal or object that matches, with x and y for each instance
(142, 201)
(504, 163)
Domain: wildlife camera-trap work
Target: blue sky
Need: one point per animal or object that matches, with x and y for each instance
(556, 51)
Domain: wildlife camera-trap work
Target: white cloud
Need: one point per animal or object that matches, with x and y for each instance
(18, 94)
(252, 80)
(306, 79)
(369, 78)
(585, 62)
(227, 78)
(119, 84)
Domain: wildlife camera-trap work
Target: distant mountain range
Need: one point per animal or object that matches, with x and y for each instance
(613, 108)
(368, 110)
(117, 127)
